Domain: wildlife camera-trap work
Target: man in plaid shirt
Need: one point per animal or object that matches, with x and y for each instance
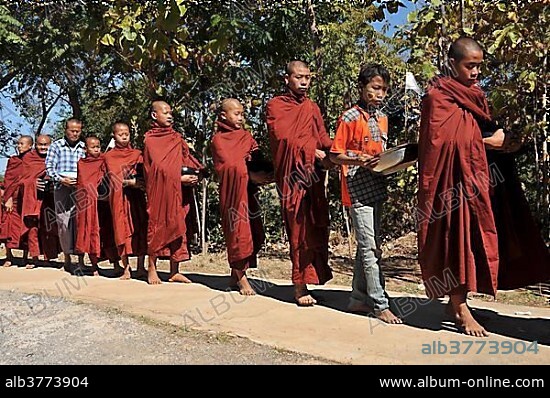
(360, 138)
(62, 157)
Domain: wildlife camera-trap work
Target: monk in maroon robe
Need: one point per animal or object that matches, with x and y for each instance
(12, 222)
(298, 140)
(127, 199)
(457, 236)
(90, 173)
(232, 147)
(164, 155)
(38, 240)
(524, 257)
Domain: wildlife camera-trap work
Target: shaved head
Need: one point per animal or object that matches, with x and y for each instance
(463, 46)
(230, 103)
(157, 105)
(28, 139)
(43, 142)
(44, 138)
(91, 140)
(295, 64)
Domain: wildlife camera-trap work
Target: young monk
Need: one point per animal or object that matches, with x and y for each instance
(298, 137)
(33, 205)
(12, 222)
(457, 237)
(242, 225)
(127, 200)
(165, 153)
(91, 171)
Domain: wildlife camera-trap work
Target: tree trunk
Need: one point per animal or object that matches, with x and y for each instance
(74, 100)
(45, 112)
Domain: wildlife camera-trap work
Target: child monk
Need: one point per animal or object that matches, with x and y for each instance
(165, 153)
(90, 173)
(457, 237)
(232, 147)
(127, 200)
(12, 222)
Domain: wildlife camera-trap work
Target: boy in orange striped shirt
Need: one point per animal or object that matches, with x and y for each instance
(360, 138)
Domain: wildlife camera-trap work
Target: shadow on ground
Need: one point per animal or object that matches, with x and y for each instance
(417, 312)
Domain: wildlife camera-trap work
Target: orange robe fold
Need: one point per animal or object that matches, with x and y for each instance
(296, 130)
(240, 212)
(128, 205)
(457, 237)
(165, 153)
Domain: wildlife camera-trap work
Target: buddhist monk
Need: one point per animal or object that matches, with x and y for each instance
(91, 170)
(232, 146)
(127, 200)
(12, 223)
(457, 237)
(298, 138)
(164, 155)
(33, 209)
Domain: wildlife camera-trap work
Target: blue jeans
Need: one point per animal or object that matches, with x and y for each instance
(368, 279)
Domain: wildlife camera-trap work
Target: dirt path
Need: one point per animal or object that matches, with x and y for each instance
(64, 332)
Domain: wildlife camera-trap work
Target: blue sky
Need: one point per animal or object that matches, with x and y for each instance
(9, 113)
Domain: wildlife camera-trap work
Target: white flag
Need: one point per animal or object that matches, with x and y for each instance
(411, 84)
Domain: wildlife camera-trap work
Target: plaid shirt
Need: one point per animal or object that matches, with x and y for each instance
(62, 157)
(360, 186)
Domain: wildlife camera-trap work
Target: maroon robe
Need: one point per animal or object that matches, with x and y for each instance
(39, 238)
(457, 237)
(523, 255)
(241, 222)
(165, 153)
(12, 222)
(128, 205)
(90, 174)
(296, 130)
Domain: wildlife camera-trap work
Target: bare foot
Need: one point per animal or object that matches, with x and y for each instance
(466, 322)
(239, 279)
(388, 317)
(360, 308)
(152, 277)
(180, 278)
(303, 297)
(7, 264)
(95, 273)
(30, 266)
(126, 274)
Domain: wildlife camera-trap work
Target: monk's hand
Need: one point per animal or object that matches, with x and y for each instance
(189, 180)
(368, 161)
(319, 154)
(129, 183)
(496, 141)
(9, 205)
(40, 184)
(68, 182)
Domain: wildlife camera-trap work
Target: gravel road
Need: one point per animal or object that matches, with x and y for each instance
(65, 332)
